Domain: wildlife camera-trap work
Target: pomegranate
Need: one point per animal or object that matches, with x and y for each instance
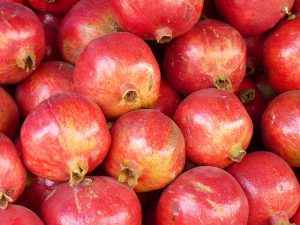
(22, 42)
(15, 1)
(147, 150)
(36, 191)
(98, 200)
(250, 17)
(216, 127)
(65, 137)
(252, 101)
(254, 53)
(49, 79)
(221, 51)
(119, 72)
(53, 6)
(270, 185)
(204, 195)
(281, 126)
(168, 99)
(19, 215)
(296, 217)
(281, 54)
(13, 173)
(157, 20)
(296, 7)
(86, 21)
(9, 114)
(51, 24)
(264, 87)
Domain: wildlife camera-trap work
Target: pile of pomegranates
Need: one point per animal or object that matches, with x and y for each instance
(147, 112)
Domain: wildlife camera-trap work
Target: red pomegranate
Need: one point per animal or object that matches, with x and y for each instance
(216, 127)
(221, 51)
(296, 217)
(36, 191)
(252, 101)
(15, 1)
(22, 42)
(254, 46)
(281, 126)
(296, 7)
(9, 114)
(53, 6)
(13, 173)
(270, 185)
(49, 79)
(19, 215)
(203, 195)
(65, 137)
(86, 21)
(250, 17)
(147, 150)
(157, 20)
(168, 99)
(51, 24)
(264, 87)
(281, 54)
(119, 72)
(98, 200)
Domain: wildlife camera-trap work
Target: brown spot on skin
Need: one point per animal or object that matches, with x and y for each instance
(175, 212)
(77, 203)
(217, 207)
(203, 188)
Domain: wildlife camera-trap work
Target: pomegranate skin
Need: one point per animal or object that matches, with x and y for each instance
(281, 126)
(56, 6)
(270, 185)
(250, 17)
(15, 1)
(281, 54)
(9, 114)
(36, 191)
(13, 173)
(101, 201)
(216, 127)
(168, 99)
(296, 7)
(221, 51)
(157, 20)
(147, 150)
(86, 21)
(254, 46)
(204, 196)
(296, 217)
(252, 101)
(20, 54)
(49, 79)
(65, 137)
(19, 215)
(119, 72)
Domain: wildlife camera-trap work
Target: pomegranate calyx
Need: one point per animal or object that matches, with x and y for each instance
(129, 177)
(77, 173)
(247, 96)
(4, 200)
(237, 153)
(130, 96)
(163, 35)
(280, 218)
(223, 84)
(290, 16)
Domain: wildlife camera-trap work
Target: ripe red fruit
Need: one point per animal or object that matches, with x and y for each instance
(281, 56)
(49, 79)
(13, 173)
(252, 101)
(216, 127)
(270, 185)
(168, 99)
(119, 72)
(15, 1)
(65, 137)
(22, 42)
(98, 200)
(296, 7)
(219, 48)
(53, 6)
(51, 24)
(86, 21)
(19, 215)
(281, 126)
(157, 20)
(250, 17)
(254, 46)
(296, 217)
(147, 150)
(36, 191)
(203, 195)
(9, 114)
